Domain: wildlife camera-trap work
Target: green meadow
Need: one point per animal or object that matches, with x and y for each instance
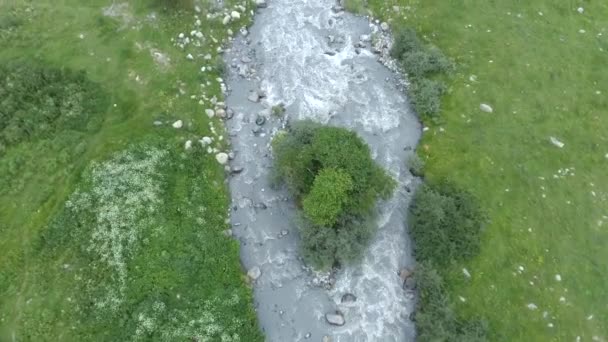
(541, 65)
(111, 229)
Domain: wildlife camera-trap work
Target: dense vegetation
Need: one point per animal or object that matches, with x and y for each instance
(538, 276)
(445, 226)
(37, 100)
(329, 171)
(423, 64)
(111, 231)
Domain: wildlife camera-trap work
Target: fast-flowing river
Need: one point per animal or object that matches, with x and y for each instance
(303, 53)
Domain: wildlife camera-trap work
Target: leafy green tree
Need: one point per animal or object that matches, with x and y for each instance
(330, 172)
(330, 192)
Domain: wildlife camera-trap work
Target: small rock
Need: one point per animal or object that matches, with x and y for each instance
(307, 336)
(220, 113)
(337, 8)
(227, 232)
(261, 3)
(486, 108)
(260, 120)
(236, 170)
(178, 124)
(466, 273)
(284, 232)
(580, 10)
(188, 145)
(210, 113)
(532, 306)
(221, 158)
(229, 114)
(556, 142)
(235, 15)
(405, 273)
(158, 123)
(261, 206)
(254, 273)
(365, 38)
(348, 298)
(326, 339)
(254, 96)
(226, 20)
(189, 57)
(558, 277)
(384, 26)
(410, 283)
(245, 59)
(230, 155)
(335, 318)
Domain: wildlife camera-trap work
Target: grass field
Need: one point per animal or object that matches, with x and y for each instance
(542, 271)
(110, 229)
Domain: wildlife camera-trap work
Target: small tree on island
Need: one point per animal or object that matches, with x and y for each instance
(331, 174)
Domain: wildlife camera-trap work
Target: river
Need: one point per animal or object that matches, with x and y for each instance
(302, 53)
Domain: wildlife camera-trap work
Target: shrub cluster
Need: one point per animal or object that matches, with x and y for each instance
(330, 172)
(37, 101)
(422, 63)
(445, 225)
(435, 318)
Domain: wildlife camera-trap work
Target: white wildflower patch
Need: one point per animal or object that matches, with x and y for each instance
(203, 325)
(121, 196)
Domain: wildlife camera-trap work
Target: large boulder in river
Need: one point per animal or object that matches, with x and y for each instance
(335, 318)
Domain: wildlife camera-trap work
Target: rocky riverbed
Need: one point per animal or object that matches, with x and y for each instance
(308, 59)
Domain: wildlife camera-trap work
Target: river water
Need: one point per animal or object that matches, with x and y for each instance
(302, 53)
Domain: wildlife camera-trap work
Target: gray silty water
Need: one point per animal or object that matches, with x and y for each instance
(290, 56)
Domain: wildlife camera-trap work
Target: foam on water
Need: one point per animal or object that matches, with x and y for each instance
(349, 89)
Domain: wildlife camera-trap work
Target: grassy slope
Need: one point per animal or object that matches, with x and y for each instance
(46, 171)
(543, 78)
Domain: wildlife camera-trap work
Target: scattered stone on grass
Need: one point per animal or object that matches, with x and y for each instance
(221, 158)
(556, 142)
(178, 124)
(486, 108)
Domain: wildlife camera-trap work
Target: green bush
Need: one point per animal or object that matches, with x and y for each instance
(421, 63)
(435, 318)
(37, 101)
(406, 41)
(446, 224)
(416, 165)
(330, 172)
(329, 194)
(278, 110)
(425, 96)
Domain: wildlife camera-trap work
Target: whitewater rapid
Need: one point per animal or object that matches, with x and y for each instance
(302, 53)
